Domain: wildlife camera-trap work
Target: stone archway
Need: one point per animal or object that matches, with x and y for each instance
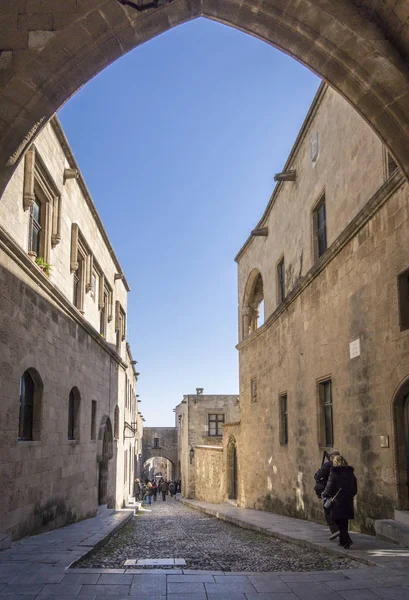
(401, 425)
(105, 453)
(49, 50)
(232, 470)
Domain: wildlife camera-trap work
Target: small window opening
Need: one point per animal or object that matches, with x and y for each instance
(283, 420)
(216, 425)
(325, 396)
(403, 290)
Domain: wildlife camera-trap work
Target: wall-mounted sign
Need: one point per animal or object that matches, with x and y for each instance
(384, 441)
(355, 348)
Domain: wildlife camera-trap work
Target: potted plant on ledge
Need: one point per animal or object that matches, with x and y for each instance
(44, 266)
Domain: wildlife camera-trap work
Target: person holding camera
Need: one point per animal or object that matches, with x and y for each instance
(321, 479)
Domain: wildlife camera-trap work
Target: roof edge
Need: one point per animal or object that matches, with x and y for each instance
(62, 138)
(323, 87)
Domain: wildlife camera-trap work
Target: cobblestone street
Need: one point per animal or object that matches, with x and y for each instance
(173, 530)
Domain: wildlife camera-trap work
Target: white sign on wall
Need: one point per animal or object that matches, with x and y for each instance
(355, 348)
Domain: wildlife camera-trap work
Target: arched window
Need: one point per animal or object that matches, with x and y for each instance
(74, 401)
(253, 305)
(116, 422)
(31, 388)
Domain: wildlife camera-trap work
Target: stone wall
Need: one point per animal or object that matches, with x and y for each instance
(51, 479)
(209, 474)
(350, 294)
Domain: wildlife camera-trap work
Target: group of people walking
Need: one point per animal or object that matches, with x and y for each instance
(336, 485)
(146, 490)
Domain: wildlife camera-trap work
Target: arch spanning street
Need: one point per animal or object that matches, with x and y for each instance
(49, 50)
(161, 442)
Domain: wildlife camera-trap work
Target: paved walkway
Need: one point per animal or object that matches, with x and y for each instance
(366, 548)
(36, 568)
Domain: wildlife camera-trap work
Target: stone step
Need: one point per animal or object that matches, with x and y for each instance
(5, 541)
(102, 508)
(402, 516)
(392, 531)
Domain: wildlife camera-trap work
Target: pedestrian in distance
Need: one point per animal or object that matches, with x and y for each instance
(154, 491)
(341, 488)
(164, 487)
(137, 489)
(148, 492)
(321, 478)
(172, 489)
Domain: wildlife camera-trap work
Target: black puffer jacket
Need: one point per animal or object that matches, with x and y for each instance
(342, 478)
(321, 478)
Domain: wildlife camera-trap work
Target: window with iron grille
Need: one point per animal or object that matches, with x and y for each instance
(325, 395)
(320, 226)
(156, 442)
(216, 425)
(281, 280)
(283, 420)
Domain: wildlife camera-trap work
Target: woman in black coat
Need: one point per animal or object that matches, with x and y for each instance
(342, 483)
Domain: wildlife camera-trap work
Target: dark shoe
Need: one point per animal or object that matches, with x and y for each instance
(347, 545)
(334, 535)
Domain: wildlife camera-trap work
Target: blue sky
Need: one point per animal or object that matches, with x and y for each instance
(179, 142)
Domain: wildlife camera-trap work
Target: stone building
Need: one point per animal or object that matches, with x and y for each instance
(68, 411)
(200, 421)
(329, 367)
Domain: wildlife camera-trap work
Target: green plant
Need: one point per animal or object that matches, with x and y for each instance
(44, 265)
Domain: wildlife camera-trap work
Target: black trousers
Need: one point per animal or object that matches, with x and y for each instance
(344, 537)
(333, 527)
(163, 495)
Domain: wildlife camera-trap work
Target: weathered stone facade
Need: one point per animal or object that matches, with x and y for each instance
(66, 334)
(200, 420)
(303, 387)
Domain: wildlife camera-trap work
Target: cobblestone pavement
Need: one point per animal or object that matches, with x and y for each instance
(173, 530)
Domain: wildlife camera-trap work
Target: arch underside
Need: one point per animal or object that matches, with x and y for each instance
(360, 48)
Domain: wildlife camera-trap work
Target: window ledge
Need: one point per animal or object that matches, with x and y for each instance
(73, 442)
(29, 442)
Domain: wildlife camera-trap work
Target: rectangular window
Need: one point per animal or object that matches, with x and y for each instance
(35, 227)
(103, 316)
(253, 388)
(93, 291)
(94, 420)
(283, 420)
(215, 425)
(403, 290)
(78, 294)
(320, 227)
(156, 442)
(281, 281)
(325, 397)
(71, 416)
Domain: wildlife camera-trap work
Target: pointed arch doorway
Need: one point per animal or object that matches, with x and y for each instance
(232, 470)
(105, 453)
(401, 418)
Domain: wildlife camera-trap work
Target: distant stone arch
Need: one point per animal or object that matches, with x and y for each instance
(253, 301)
